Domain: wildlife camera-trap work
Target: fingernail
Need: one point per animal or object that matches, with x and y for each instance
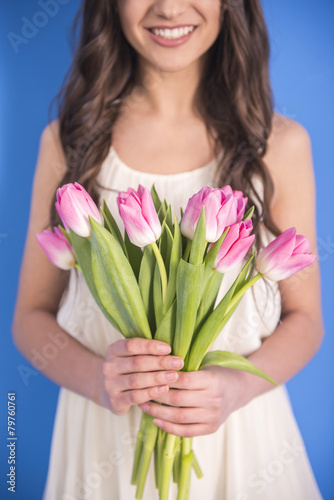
(158, 422)
(145, 406)
(171, 376)
(162, 388)
(176, 363)
(164, 348)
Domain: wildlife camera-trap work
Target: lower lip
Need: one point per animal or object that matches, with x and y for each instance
(164, 42)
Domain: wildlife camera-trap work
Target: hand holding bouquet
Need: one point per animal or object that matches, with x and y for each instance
(161, 281)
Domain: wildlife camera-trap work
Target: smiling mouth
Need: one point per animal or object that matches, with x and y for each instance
(172, 34)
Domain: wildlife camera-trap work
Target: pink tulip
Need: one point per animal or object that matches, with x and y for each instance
(238, 206)
(218, 208)
(57, 248)
(74, 205)
(235, 246)
(139, 216)
(285, 256)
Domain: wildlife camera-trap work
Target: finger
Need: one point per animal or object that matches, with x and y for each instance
(136, 346)
(131, 364)
(136, 397)
(179, 415)
(193, 380)
(145, 380)
(181, 398)
(184, 430)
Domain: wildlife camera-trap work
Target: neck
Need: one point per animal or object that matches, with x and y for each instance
(169, 94)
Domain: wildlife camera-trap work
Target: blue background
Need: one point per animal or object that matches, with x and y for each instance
(303, 80)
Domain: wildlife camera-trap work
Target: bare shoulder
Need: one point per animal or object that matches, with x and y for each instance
(289, 158)
(288, 139)
(41, 283)
(51, 150)
(50, 168)
(285, 129)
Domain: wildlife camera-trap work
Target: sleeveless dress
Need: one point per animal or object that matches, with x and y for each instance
(257, 454)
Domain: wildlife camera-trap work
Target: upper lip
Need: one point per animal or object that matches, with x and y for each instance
(161, 27)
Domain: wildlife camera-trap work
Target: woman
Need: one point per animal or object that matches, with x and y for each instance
(174, 92)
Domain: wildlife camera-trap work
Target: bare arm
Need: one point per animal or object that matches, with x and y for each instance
(41, 286)
(299, 335)
(208, 397)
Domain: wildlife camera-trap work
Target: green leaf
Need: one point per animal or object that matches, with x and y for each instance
(208, 299)
(245, 275)
(165, 245)
(155, 197)
(211, 256)
(188, 292)
(251, 268)
(217, 320)
(227, 359)
(162, 211)
(168, 219)
(111, 224)
(199, 242)
(82, 251)
(176, 255)
(157, 296)
(134, 254)
(116, 284)
(65, 233)
(145, 282)
(249, 214)
(166, 329)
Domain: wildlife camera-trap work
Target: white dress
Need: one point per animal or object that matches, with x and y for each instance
(257, 454)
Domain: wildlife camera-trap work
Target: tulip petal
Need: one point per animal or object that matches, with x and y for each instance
(60, 213)
(139, 232)
(296, 263)
(74, 205)
(217, 206)
(139, 216)
(149, 212)
(57, 249)
(277, 252)
(236, 254)
(212, 204)
(302, 245)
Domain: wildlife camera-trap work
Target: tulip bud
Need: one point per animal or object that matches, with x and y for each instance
(74, 205)
(139, 216)
(57, 248)
(235, 246)
(285, 256)
(217, 213)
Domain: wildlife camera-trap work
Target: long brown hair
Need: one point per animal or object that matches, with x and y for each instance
(233, 97)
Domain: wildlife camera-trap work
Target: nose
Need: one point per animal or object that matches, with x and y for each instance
(169, 9)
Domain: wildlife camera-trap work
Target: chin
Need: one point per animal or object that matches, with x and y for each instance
(173, 65)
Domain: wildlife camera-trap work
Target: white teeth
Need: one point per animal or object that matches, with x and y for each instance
(174, 33)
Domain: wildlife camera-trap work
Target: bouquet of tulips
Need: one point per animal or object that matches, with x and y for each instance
(161, 281)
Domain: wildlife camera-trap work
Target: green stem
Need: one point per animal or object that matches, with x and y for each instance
(162, 269)
(196, 467)
(167, 465)
(138, 450)
(158, 452)
(149, 439)
(187, 251)
(241, 292)
(177, 464)
(184, 482)
(186, 445)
